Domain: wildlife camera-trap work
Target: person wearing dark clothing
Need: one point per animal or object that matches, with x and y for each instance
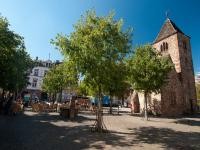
(8, 105)
(1, 105)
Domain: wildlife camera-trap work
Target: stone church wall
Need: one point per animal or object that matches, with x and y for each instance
(178, 95)
(187, 73)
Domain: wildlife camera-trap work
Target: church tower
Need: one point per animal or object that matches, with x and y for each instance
(178, 96)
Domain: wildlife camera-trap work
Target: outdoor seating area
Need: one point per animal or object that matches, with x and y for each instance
(9, 107)
(85, 104)
(67, 112)
(16, 107)
(69, 109)
(100, 75)
(44, 107)
(66, 109)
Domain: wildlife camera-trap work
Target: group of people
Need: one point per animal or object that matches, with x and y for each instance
(8, 106)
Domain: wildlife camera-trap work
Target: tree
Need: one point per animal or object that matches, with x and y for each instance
(21, 64)
(60, 77)
(95, 45)
(116, 84)
(84, 89)
(14, 60)
(148, 71)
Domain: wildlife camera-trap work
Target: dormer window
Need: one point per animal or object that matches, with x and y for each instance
(164, 47)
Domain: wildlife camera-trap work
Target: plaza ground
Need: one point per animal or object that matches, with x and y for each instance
(48, 131)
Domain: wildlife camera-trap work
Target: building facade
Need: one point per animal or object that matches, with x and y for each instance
(36, 78)
(178, 96)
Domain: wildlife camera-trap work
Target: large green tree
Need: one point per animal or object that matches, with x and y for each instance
(95, 45)
(84, 89)
(148, 71)
(21, 66)
(116, 83)
(60, 77)
(14, 60)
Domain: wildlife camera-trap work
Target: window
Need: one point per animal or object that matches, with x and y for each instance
(164, 46)
(48, 65)
(36, 72)
(45, 72)
(161, 48)
(34, 83)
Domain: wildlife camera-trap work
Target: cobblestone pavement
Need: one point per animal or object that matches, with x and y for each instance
(47, 131)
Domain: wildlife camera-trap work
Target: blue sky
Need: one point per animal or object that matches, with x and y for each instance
(38, 21)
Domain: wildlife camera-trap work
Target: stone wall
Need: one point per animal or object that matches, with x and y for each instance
(153, 103)
(180, 89)
(187, 72)
(173, 50)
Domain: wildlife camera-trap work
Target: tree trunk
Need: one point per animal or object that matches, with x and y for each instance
(99, 113)
(61, 95)
(118, 107)
(17, 94)
(14, 95)
(122, 101)
(54, 97)
(145, 106)
(111, 102)
(49, 97)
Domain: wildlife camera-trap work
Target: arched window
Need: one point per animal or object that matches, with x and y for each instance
(166, 46)
(161, 48)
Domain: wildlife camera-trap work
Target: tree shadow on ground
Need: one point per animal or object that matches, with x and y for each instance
(195, 115)
(55, 118)
(50, 132)
(168, 138)
(43, 132)
(188, 122)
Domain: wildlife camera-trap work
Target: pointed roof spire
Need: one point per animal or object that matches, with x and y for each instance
(169, 28)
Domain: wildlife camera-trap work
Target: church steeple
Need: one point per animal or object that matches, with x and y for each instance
(169, 28)
(179, 94)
